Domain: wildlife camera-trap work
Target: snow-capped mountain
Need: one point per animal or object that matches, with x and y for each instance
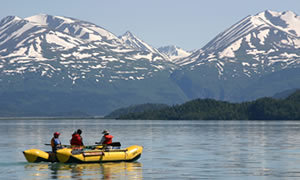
(74, 49)
(138, 44)
(258, 56)
(263, 43)
(174, 52)
(59, 64)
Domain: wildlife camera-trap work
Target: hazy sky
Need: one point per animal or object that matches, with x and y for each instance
(189, 24)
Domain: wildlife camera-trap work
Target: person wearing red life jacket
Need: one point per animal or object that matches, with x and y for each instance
(76, 138)
(107, 138)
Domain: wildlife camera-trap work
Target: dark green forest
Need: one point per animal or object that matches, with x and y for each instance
(136, 109)
(208, 109)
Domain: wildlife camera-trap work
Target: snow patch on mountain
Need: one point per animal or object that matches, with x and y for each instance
(189, 60)
(262, 35)
(56, 39)
(40, 19)
(230, 50)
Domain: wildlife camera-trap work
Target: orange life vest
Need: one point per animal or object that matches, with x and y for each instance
(108, 139)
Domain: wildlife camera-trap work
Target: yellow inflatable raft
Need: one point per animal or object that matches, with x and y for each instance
(75, 155)
(69, 155)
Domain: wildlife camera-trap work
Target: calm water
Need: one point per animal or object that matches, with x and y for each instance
(172, 149)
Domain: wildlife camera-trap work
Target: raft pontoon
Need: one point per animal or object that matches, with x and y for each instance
(81, 155)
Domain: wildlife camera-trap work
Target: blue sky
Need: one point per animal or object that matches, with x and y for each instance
(189, 24)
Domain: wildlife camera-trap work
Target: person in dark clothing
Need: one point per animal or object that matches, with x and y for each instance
(76, 138)
(55, 142)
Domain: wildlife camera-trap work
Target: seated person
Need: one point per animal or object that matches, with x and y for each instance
(55, 142)
(76, 138)
(106, 138)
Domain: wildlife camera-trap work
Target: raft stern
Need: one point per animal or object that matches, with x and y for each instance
(36, 155)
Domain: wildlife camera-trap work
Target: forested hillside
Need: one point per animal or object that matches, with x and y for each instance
(209, 109)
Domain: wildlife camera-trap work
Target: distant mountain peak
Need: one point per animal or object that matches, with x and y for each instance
(287, 20)
(40, 19)
(134, 42)
(45, 19)
(174, 52)
(276, 14)
(128, 34)
(266, 42)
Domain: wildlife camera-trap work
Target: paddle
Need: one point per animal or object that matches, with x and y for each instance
(61, 145)
(112, 144)
(69, 146)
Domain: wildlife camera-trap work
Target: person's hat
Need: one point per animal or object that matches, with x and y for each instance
(56, 134)
(105, 132)
(79, 131)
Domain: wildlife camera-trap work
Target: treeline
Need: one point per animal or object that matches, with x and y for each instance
(136, 109)
(209, 109)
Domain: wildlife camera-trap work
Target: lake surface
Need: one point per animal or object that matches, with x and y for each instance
(172, 149)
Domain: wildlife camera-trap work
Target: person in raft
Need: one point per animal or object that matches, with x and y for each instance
(55, 142)
(106, 138)
(76, 138)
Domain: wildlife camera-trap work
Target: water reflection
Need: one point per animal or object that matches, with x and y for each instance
(105, 171)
